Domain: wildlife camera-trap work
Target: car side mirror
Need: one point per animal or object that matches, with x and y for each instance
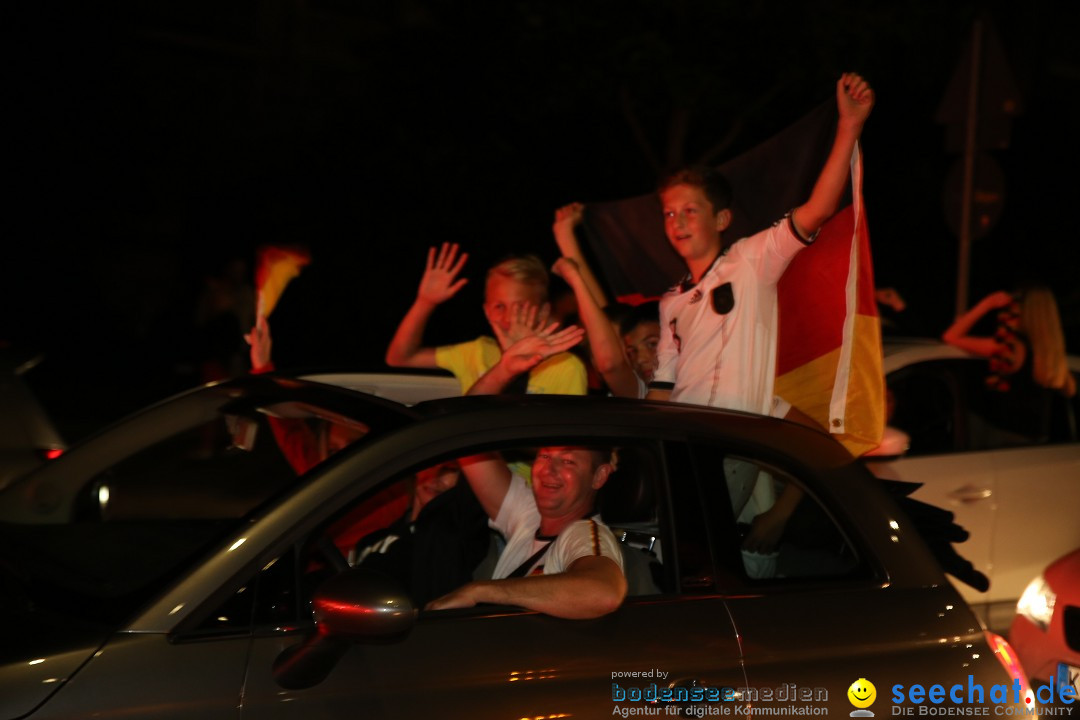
(357, 605)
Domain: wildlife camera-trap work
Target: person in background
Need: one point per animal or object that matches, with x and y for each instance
(304, 447)
(1028, 334)
(1028, 368)
(621, 338)
(640, 330)
(436, 544)
(606, 349)
(513, 284)
(226, 307)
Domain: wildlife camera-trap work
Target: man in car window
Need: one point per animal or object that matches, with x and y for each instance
(435, 545)
(559, 558)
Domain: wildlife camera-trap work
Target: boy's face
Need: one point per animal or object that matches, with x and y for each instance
(641, 343)
(500, 295)
(692, 225)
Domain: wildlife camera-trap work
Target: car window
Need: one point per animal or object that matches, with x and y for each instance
(946, 406)
(269, 599)
(766, 527)
(924, 401)
(695, 569)
(96, 543)
(677, 533)
(1022, 415)
(628, 504)
(457, 546)
(222, 468)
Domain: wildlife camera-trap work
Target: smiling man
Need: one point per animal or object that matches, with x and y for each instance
(559, 558)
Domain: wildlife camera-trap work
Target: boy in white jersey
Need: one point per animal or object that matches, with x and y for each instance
(718, 326)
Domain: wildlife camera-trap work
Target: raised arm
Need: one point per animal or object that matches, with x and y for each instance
(591, 587)
(567, 218)
(489, 477)
(957, 334)
(438, 284)
(261, 344)
(608, 351)
(526, 353)
(854, 100)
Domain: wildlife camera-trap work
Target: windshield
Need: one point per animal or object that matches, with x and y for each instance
(97, 532)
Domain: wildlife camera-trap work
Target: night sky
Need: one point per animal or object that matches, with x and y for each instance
(152, 145)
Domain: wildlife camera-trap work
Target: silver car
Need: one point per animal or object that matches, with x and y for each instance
(190, 562)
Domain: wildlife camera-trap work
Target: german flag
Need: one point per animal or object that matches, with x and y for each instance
(829, 359)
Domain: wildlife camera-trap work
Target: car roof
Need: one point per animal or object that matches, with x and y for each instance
(407, 387)
(582, 415)
(899, 352)
(181, 411)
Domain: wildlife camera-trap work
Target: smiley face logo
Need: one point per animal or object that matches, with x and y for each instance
(862, 693)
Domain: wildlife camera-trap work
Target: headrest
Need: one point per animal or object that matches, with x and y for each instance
(629, 495)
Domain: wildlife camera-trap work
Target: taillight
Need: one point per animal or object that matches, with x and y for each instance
(52, 453)
(1009, 660)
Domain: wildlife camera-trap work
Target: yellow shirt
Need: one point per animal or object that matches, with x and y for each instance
(562, 374)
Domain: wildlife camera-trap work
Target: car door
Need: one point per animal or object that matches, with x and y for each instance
(825, 611)
(928, 403)
(1036, 480)
(507, 662)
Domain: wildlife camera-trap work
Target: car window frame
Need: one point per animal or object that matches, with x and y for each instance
(962, 375)
(725, 555)
(298, 540)
(395, 455)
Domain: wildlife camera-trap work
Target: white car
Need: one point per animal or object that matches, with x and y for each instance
(1017, 496)
(406, 387)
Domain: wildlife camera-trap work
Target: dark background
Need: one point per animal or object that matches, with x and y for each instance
(151, 144)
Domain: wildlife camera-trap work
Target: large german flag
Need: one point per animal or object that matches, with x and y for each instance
(829, 361)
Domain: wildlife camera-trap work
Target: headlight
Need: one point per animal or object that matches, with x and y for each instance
(1037, 602)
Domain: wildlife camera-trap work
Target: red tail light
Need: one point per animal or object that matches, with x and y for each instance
(1009, 660)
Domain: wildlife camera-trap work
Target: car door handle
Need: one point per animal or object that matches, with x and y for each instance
(970, 494)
